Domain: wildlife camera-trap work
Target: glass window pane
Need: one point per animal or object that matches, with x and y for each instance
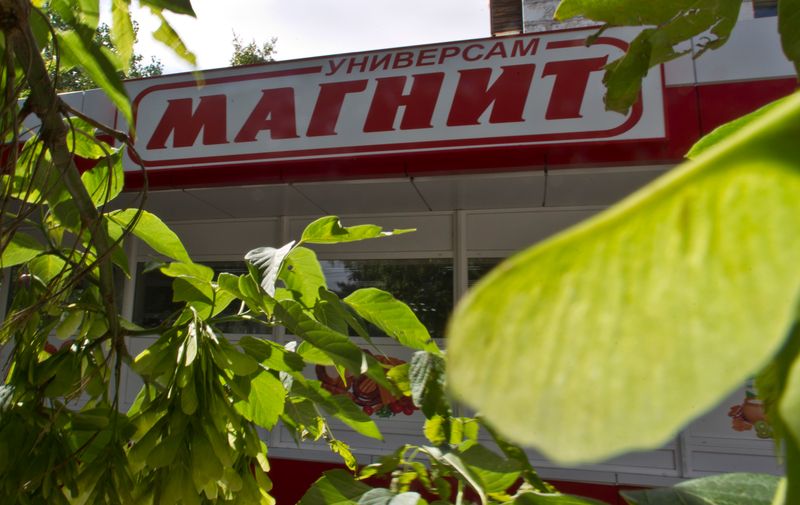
(478, 267)
(426, 285)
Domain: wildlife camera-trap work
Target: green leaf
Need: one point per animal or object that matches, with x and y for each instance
(192, 270)
(334, 344)
(343, 450)
(675, 22)
(176, 6)
(79, 47)
(153, 232)
(392, 316)
(335, 487)
(726, 489)
(555, 499)
(427, 376)
(726, 130)
(47, 267)
(554, 345)
(265, 402)
(227, 357)
(122, 32)
(302, 273)
(105, 180)
(170, 38)
(399, 376)
(81, 142)
(269, 261)
(20, 249)
(272, 355)
(789, 28)
(495, 474)
(329, 230)
(339, 406)
(381, 496)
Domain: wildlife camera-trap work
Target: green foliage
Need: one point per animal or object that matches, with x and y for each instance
(252, 53)
(667, 25)
(649, 287)
(728, 489)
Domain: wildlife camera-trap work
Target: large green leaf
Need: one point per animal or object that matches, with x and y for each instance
(20, 249)
(104, 182)
(329, 230)
(153, 232)
(302, 274)
(789, 28)
(78, 46)
(674, 22)
(177, 6)
(670, 299)
(726, 489)
(265, 401)
(335, 487)
(392, 316)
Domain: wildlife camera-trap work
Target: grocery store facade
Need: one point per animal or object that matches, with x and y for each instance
(484, 146)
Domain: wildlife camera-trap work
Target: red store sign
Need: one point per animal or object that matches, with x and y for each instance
(535, 89)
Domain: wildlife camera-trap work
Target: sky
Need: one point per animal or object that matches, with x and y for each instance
(307, 28)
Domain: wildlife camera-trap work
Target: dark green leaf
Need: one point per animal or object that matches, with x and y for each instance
(789, 28)
(329, 230)
(556, 499)
(727, 489)
(335, 487)
(176, 6)
(272, 355)
(339, 406)
(427, 376)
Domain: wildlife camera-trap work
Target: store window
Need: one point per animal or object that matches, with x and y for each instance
(153, 302)
(426, 285)
(478, 267)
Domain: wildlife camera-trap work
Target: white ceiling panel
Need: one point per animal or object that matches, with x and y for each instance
(257, 201)
(596, 186)
(353, 197)
(485, 191)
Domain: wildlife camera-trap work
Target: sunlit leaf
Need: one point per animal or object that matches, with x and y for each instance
(170, 38)
(562, 344)
(392, 316)
(20, 249)
(80, 48)
(727, 489)
(269, 261)
(302, 274)
(122, 33)
(329, 230)
(104, 182)
(153, 232)
(265, 403)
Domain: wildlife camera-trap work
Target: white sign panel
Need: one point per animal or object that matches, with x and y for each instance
(525, 90)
